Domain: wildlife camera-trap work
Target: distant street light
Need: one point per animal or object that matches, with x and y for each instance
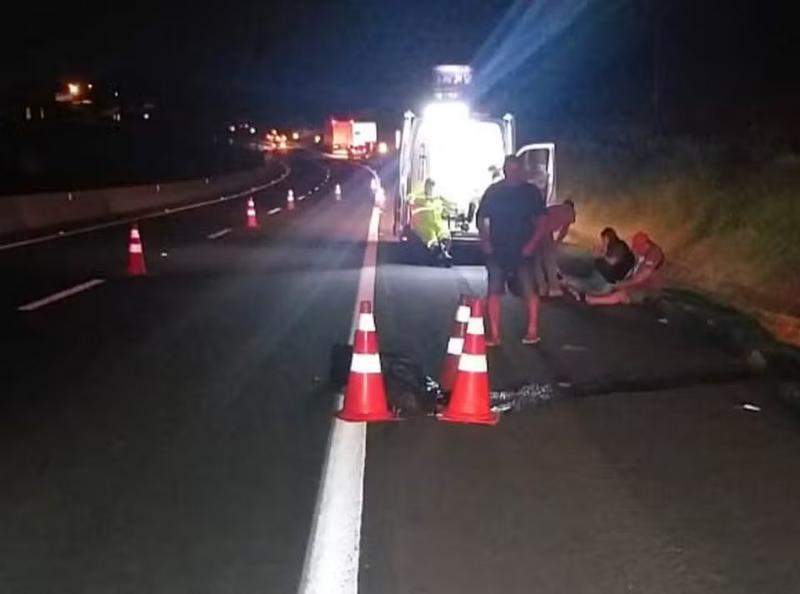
(74, 89)
(146, 116)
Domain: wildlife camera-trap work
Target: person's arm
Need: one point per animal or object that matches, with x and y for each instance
(639, 277)
(541, 225)
(562, 233)
(484, 232)
(651, 262)
(484, 224)
(540, 231)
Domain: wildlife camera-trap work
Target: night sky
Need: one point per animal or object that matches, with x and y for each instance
(301, 60)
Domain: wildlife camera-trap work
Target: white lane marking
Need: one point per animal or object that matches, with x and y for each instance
(273, 211)
(156, 215)
(220, 233)
(34, 305)
(331, 563)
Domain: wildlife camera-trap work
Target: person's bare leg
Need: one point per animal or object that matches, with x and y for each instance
(531, 302)
(532, 334)
(615, 298)
(493, 309)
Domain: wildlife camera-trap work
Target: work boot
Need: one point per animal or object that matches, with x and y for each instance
(444, 252)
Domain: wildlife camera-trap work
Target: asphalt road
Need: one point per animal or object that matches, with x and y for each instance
(167, 434)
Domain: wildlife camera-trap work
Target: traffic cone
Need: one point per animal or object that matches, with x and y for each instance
(455, 346)
(365, 397)
(290, 200)
(337, 191)
(252, 219)
(469, 402)
(136, 265)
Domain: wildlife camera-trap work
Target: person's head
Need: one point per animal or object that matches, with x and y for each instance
(608, 236)
(514, 170)
(429, 185)
(640, 243)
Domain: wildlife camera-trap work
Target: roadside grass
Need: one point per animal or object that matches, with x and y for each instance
(728, 220)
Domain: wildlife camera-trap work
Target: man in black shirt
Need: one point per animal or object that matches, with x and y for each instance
(507, 220)
(616, 259)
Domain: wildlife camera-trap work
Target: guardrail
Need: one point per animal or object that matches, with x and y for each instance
(36, 212)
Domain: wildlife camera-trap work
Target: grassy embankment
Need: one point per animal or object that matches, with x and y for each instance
(728, 220)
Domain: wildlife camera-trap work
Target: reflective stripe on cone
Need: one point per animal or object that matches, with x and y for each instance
(365, 396)
(469, 401)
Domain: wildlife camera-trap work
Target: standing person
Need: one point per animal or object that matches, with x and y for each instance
(558, 220)
(508, 220)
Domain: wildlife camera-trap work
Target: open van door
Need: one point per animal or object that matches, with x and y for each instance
(539, 160)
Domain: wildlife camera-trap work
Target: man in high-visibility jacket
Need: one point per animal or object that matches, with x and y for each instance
(428, 220)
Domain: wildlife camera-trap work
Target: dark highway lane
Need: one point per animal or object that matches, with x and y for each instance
(166, 433)
(668, 490)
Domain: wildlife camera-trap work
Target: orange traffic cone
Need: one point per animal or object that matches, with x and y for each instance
(469, 402)
(455, 346)
(365, 397)
(136, 265)
(290, 200)
(252, 219)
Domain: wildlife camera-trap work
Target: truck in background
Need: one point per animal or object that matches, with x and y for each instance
(352, 139)
(462, 152)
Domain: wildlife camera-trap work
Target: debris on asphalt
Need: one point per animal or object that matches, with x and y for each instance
(413, 393)
(749, 406)
(527, 396)
(573, 347)
(663, 321)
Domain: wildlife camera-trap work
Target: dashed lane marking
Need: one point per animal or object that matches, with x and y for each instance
(220, 233)
(39, 303)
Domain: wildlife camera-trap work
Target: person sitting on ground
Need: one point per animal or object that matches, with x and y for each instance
(613, 262)
(646, 277)
(557, 220)
(616, 259)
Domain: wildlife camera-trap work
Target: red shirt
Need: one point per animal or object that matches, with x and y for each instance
(559, 216)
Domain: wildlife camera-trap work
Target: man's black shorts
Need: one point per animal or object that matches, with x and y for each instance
(502, 273)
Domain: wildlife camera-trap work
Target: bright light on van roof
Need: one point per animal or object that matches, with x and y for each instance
(446, 110)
